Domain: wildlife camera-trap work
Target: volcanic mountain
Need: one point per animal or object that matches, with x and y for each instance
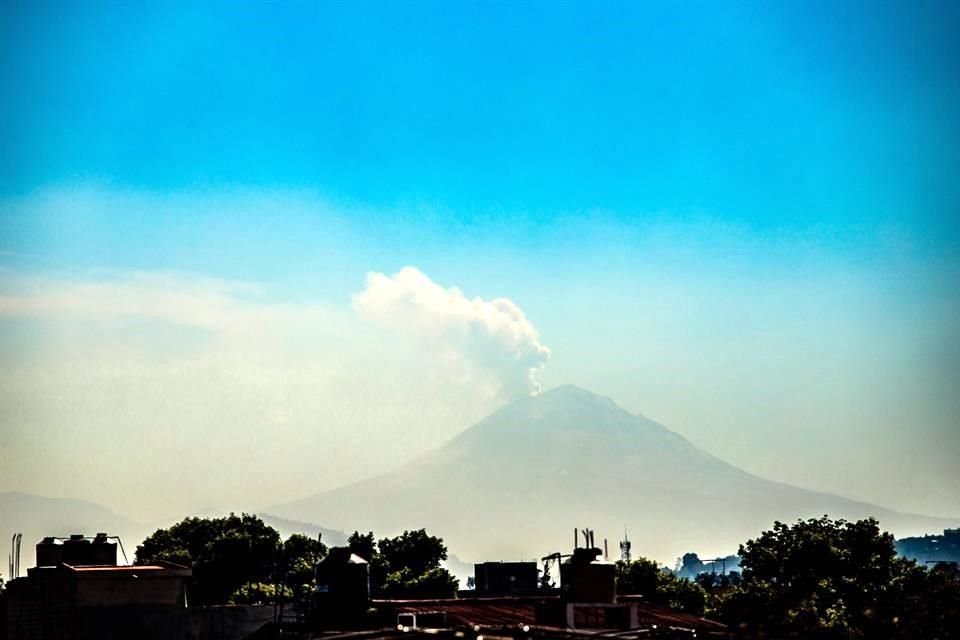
(516, 483)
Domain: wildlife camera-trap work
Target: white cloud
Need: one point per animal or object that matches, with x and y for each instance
(223, 306)
(185, 392)
(490, 338)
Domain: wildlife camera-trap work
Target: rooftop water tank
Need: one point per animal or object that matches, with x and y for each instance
(586, 577)
(104, 550)
(49, 552)
(343, 584)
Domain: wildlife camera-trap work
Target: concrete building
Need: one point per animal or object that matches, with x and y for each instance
(587, 604)
(78, 591)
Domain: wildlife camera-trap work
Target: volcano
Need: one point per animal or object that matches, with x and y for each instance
(515, 484)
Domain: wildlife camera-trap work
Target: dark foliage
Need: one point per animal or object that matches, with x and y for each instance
(711, 582)
(690, 566)
(413, 550)
(828, 579)
(405, 566)
(659, 586)
(224, 553)
(363, 544)
(299, 555)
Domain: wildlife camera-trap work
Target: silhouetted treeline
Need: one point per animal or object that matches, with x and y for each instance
(240, 559)
(819, 579)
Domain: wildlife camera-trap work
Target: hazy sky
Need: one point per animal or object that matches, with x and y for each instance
(739, 219)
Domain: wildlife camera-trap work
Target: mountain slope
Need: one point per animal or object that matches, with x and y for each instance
(36, 517)
(287, 528)
(515, 484)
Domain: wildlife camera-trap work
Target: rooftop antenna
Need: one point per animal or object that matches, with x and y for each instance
(625, 547)
(576, 538)
(605, 554)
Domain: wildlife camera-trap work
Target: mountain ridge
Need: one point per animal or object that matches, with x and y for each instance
(512, 486)
(569, 457)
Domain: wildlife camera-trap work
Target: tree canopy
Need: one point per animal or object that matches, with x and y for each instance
(405, 566)
(660, 586)
(298, 556)
(234, 558)
(821, 578)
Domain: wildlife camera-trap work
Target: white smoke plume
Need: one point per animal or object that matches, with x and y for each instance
(493, 336)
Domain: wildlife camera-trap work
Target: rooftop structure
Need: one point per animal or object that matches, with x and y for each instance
(513, 613)
(505, 578)
(91, 596)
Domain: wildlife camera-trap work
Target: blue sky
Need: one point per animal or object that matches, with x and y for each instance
(686, 199)
(776, 114)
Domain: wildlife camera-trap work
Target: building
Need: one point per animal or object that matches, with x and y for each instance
(78, 591)
(587, 604)
(505, 578)
(343, 587)
(508, 616)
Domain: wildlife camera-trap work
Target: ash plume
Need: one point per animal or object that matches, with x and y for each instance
(490, 336)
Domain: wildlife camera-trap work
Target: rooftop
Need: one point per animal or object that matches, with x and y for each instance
(516, 610)
(118, 569)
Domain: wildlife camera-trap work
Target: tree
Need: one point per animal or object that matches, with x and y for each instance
(435, 582)
(660, 586)
(690, 566)
(224, 553)
(363, 544)
(935, 605)
(299, 555)
(827, 579)
(260, 593)
(407, 565)
(413, 550)
(711, 582)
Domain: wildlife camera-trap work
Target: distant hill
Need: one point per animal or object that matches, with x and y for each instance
(514, 485)
(932, 548)
(330, 537)
(691, 565)
(36, 517)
